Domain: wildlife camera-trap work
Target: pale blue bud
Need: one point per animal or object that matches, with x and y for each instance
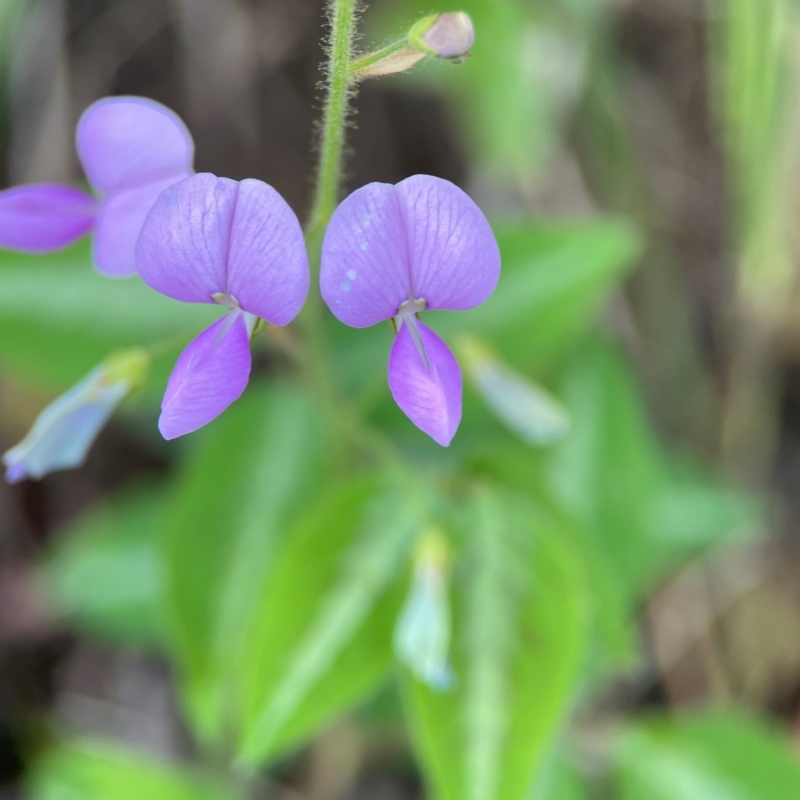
(423, 630)
(63, 433)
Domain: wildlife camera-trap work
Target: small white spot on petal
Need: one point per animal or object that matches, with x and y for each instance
(351, 273)
(366, 219)
(364, 247)
(345, 287)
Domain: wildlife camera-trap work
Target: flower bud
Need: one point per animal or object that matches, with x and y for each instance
(422, 634)
(524, 407)
(63, 433)
(448, 35)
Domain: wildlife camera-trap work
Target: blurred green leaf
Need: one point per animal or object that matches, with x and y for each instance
(554, 277)
(105, 573)
(612, 475)
(755, 49)
(59, 317)
(716, 757)
(521, 633)
(251, 471)
(560, 781)
(321, 640)
(94, 771)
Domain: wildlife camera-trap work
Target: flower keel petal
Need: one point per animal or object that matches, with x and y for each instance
(43, 217)
(210, 374)
(429, 397)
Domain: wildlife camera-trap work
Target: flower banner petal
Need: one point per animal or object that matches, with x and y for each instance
(267, 268)
(183, 247)
(364, 274)
(210, 374)
(119, 222)
(452, 252)
(429, 396)
(43, 217)
(125, 142)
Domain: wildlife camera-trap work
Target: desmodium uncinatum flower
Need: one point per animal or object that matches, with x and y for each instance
(392, 252)
(236, 244)
(131, 149)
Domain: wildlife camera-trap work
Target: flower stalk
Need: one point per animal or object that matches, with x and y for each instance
(343, 20)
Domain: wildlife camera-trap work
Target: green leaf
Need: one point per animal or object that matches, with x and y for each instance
(521, 633)
(59, 317)
(249, 474)
(94, 771)
(105, 573)
(714, 757)
(758, 79)
(560, 781)
(321, 640)
(611, 474)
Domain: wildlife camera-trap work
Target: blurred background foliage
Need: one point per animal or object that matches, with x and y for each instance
(623, 543)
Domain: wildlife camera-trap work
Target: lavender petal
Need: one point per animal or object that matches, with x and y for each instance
(267, 265)
(44, 217)
(209, 375)
(452, 253)
(429, 396)
(119, 222)
(125, 142)
(183, 247)
(364, 274)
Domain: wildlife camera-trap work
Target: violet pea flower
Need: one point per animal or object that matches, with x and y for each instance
(131, 149)
(391, 252)
(236, 244)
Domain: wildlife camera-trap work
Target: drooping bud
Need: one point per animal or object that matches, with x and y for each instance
(524, 407)
(422, 634)
(63, 433)
(448, 35)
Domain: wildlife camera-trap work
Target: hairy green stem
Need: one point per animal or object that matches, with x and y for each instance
(343, 18)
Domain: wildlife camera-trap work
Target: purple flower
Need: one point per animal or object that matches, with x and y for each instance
(131, 149)
(391, 252)
(237, 244)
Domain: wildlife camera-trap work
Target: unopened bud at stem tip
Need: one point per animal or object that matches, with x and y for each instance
(449, 35)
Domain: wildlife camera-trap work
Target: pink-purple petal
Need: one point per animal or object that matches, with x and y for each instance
(452, 253)
(43, 217)
(182, 250)
(119, 223)
(267, 265)
(211, 373)
(364, 275)
(429, 396)
(125, 142)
